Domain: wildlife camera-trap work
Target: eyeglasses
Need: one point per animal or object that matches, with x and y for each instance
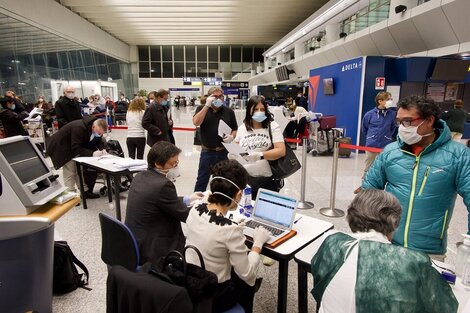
(408, 122)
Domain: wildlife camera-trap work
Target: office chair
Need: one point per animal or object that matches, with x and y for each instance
(118, 244)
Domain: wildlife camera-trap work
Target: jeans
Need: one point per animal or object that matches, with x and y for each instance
(206, 161)
(136, 144)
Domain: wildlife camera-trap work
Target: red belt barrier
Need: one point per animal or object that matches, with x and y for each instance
(370, 149)
(293, 140)
(174, 128)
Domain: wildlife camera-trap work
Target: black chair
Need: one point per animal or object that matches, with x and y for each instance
(118, 244)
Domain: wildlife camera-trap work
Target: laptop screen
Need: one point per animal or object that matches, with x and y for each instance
(275, 208)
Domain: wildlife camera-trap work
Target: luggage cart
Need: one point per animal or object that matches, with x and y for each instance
(313, 131)
(37, 132)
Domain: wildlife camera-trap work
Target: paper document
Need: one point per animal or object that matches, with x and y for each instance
(235, 148)
(224, 129)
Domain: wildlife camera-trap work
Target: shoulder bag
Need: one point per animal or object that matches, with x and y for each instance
(285, 166)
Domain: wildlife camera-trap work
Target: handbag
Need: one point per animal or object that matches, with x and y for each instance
(285, 166)
(200, 283)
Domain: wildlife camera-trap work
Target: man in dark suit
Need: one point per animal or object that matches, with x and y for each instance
(154, 210)
(67, 108)
(155, 119)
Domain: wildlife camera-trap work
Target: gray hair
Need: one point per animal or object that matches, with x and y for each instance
(374, 209)
(214, 89)
(101, 124)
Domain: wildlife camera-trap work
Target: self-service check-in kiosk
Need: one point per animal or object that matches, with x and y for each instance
(26, 241)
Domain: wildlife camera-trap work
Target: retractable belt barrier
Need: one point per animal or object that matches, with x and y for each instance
(174, 128)
(331, 211)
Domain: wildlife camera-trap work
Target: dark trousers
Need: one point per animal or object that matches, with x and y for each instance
(171, 137)
(232, 292)
(89, 177)
(206, 161)
(136, 144)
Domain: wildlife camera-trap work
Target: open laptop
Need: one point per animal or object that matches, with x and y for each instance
(274, 212)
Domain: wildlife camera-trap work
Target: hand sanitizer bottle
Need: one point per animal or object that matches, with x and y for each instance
(247, 207)
(466, 274)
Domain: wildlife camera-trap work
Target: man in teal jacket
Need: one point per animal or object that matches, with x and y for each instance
(425, 170)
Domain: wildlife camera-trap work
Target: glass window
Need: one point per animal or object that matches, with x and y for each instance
(143, 53)
(178, 53)
(190, 69)
(224, 54)
(155, 53)
(201, 53)
(156, 70)
(166, 53)
(236, 54)
(190, 54)
(87, 58)
(64, 61)
(247, 54)
(167, 69)
(179, 69)
(144, 69)
(213, 54)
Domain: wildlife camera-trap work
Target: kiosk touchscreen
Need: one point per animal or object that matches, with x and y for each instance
(26, 182)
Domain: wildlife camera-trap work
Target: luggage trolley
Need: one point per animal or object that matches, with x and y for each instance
(313, 131)
(36, 130)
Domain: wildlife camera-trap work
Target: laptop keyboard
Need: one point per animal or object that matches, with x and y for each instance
(275, 231)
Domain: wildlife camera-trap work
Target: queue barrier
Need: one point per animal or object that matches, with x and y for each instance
(331, 211)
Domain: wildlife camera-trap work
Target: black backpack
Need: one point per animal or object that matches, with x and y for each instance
(66, 276)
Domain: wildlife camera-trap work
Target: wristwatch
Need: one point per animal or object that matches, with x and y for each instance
(262, 157)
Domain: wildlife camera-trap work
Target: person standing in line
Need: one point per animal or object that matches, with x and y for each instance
(135, 132)
(301, 101)
(378, 126)
(425, 169)
(455, 119)
(261, 137)
(167, 108)
(208, 117)
(11, 115)
(67, 108)
(155, 120)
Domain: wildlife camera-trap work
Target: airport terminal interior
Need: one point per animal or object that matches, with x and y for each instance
(336, 55)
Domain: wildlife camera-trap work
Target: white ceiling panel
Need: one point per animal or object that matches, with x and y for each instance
(351, 47)
(406, 35)
(457, 15)
(383, 40)
(153, 22)
(365, 43)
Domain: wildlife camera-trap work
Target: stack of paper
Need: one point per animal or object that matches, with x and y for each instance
(130, 164)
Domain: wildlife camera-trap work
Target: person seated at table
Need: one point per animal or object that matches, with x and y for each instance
(364, 272)
(221, 240)
(154, 210)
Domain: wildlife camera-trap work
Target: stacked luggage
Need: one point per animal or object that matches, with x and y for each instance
(326, 136)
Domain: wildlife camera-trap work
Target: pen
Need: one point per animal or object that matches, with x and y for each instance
(295, 222)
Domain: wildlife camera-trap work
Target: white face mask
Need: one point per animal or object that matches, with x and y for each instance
(410, 134)
(173, 173)
(223, 194)
(389, 104)
(70, 95)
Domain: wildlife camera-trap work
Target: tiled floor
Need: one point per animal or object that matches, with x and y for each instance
(81, 227)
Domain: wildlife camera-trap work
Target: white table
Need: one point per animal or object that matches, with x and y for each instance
(308, 229)
(103, 165)
(304, 257)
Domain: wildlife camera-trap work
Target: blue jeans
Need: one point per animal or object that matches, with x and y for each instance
(206, 161)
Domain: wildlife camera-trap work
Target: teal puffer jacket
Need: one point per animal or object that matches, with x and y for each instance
(426, 186)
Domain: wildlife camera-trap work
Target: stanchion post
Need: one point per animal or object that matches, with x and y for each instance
(331, 211)
(304, 205)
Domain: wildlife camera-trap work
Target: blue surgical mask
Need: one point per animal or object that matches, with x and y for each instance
(13, 107)
(164, 102)
(259, 116)
(96, 135)
(218, 103)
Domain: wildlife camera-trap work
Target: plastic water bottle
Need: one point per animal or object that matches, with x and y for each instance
(463, 253)
(247, 206)
(466, 274)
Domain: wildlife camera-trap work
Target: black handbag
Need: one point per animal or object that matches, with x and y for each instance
(285, 166)
(200, 283)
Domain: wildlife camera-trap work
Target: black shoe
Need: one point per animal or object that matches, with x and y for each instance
(91, 195)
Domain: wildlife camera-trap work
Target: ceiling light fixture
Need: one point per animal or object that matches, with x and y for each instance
(324, 17)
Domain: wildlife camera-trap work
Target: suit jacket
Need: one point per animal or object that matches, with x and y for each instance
(11, 121)
(154, 212)
(72, 140)
(155, 121)
(67, 110)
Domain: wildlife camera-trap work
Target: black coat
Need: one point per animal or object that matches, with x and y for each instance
(72, 140)
(154, 212)
(11, 121)
(67, 110)
(155, 121)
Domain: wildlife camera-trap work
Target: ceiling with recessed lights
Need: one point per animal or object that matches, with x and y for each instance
(152, 22)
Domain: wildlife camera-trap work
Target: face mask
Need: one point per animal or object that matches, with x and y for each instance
(70, 95)
(223, 194)
(152, 101)
(259, 116)
(171, 173)
(230, 198)
(164, 102)
(389, 104)
(217, 103)
(41, 100)
(410, 134)
(13, 107)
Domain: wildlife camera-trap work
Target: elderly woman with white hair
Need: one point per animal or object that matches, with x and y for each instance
(364, 272)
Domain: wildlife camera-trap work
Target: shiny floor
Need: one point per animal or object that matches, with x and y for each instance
(81, 227)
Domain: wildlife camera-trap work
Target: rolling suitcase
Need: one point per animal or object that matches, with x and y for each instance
(345, 152)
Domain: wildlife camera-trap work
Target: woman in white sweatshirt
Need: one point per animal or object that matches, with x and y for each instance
(135, 132)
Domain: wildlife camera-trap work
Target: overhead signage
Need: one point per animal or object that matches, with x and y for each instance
(380, 83)
(235, 84)
(199, 81)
